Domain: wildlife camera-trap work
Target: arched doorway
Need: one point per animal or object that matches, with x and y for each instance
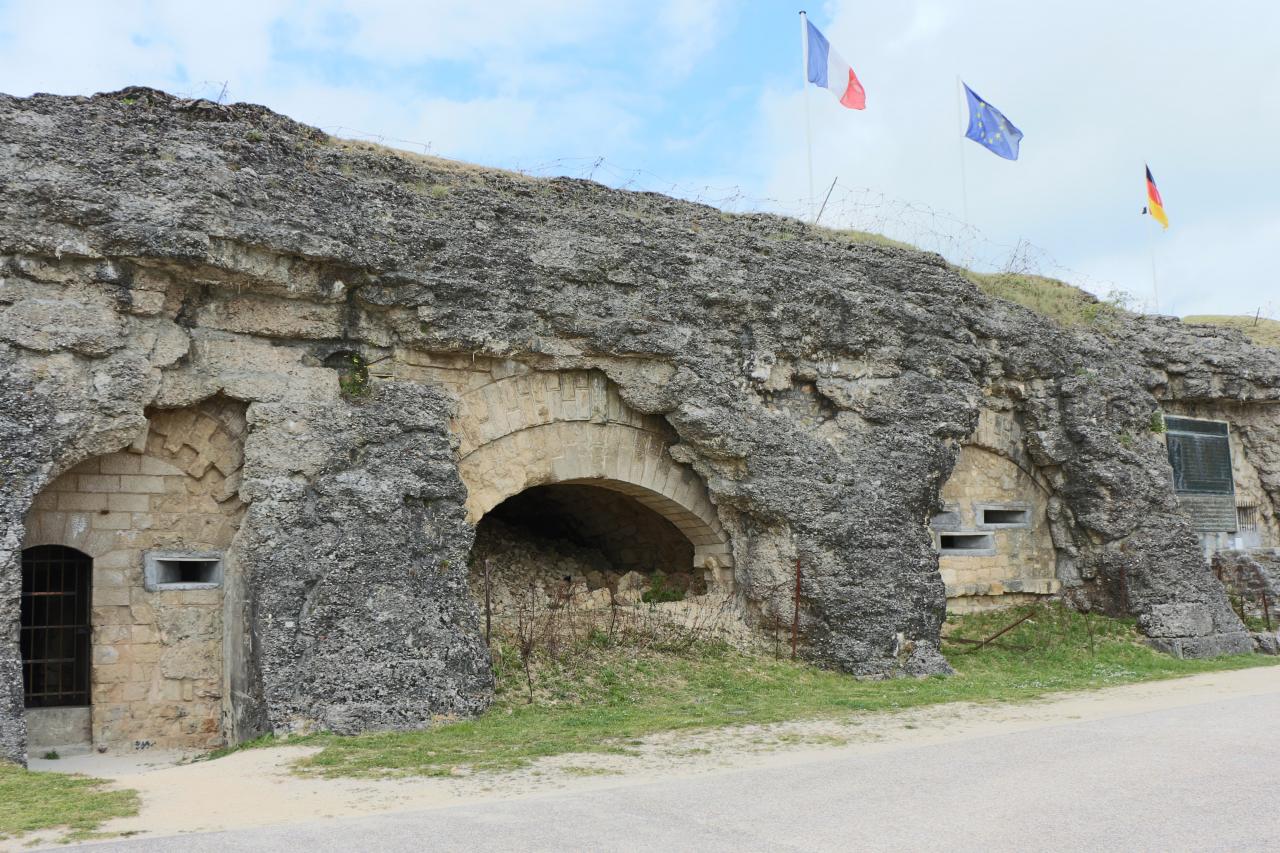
(580, 506)
(55, 634)
(144, 641)
(540, 429)
(995, 548)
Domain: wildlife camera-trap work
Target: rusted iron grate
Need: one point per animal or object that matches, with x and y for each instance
(55, 626)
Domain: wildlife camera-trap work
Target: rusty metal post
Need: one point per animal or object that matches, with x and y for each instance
(488, 605)
(795, 613)
(1006, 629)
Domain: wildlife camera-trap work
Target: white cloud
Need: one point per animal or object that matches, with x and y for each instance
(404, 32)
(928, 21)
(1098, 88)
(1192, 275)
(688, 32)
(533, 103)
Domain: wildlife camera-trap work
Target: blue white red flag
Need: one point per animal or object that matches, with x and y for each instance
(829, 70)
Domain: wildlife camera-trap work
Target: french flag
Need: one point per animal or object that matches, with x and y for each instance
(829, 70)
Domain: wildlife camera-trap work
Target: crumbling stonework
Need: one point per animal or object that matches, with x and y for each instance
(1253, 579)
(803, 397)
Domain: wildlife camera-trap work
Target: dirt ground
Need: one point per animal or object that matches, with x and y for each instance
(256, 787)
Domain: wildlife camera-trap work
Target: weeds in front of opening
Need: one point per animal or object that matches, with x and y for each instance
(223, 751)
(598, 695)
(33, 801)
(661, 591)
(544, 632)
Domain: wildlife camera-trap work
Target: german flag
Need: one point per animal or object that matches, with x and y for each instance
(1155, 206)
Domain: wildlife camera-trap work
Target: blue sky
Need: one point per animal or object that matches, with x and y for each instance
(703, 99)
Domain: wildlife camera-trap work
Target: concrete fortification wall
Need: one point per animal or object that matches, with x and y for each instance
(412, 341)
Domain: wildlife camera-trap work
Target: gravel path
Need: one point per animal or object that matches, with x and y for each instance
(1180, 765)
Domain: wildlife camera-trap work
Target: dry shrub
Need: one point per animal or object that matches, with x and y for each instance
(539, 635)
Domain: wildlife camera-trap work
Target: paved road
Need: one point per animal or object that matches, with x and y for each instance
(1202, 777)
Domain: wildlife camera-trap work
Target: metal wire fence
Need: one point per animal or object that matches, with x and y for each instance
(845, 207)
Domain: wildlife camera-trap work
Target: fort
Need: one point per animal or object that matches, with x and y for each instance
(275, 406)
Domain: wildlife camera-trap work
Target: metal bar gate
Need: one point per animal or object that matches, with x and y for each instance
(55, 626)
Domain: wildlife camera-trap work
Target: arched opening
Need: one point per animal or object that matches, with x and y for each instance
(527, 432)
(584, 544)
(993, 539)
(123, 596)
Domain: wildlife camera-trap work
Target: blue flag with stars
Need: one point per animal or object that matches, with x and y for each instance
(989, 128)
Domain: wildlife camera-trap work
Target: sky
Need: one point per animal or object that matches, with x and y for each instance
(705, 99)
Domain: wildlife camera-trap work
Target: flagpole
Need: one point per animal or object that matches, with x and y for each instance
(1155, 290)
(964, 180)
(808, 124)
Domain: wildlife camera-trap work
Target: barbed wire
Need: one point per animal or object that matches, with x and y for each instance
(380, 139)
(847, 208)
(218, 91)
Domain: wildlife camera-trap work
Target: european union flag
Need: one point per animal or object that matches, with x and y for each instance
(989, 128)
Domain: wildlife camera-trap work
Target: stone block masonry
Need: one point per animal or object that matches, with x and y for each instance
(157, 659)
(992, 473)
(774, 391)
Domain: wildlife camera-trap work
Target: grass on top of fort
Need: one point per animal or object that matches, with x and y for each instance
(1260, 330)
(1066, 303)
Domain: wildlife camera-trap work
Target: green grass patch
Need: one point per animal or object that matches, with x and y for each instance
(852, 235)
(601, 698)
(32, 801)
(1260, 330)
(1067, 304)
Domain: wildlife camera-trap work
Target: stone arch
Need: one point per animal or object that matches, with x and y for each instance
(997, 500)
(1000, 434)
(540, 428)
(83, 508)
(157, 663)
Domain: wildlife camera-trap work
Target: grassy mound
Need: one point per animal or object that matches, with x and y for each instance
(851, 235)
(598, 696)
(1261, 331)
(1067, 304)
(1063, 302)
(30, 802)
